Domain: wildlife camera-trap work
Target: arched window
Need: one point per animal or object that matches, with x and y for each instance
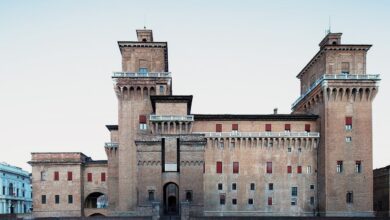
(10, 189)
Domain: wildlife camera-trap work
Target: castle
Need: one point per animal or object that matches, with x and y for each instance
(164, 160)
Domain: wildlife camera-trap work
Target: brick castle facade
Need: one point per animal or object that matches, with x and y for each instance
(164, 160)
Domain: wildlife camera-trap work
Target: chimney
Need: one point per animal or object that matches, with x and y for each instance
(275, 111)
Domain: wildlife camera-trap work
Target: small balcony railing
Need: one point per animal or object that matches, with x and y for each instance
(156, 118)
(140, 74)
(260, 134)
(375, 77)
(111, 144)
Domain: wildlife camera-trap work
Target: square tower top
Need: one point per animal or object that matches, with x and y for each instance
(145, 35)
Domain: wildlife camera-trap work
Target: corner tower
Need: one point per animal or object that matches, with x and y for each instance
(336, 86)
(144, 73)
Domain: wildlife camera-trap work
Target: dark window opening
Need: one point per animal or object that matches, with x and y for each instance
(70, 199)
(151, 195)
(189, 196)
(234, 201)
(270, 186)
(220, 186)
(57, 199)
(43, 199)
(234, 186)
(252, 186)
(222, 199)
(250, 201)
(350, 197)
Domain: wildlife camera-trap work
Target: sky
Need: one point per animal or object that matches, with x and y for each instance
(240, 57)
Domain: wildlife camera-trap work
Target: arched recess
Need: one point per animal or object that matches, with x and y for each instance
(96, 215)
(96, 200)
(171, 198)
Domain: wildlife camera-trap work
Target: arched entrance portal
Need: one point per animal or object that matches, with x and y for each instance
(171, 199)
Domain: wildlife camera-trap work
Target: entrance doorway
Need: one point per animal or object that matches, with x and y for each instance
(171, 199)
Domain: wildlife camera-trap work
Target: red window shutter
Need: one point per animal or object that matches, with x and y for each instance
(70, 176)
(269, 167)
(103, 177)
(218, 128)
(236, 167)
(56, 176)
(348, 120)
(299, 169)
(287, 127)
(307, 127)
(89, 177)
(268, 127)
(269, 200)
(219, 167)
(142, 119)
(235, 127)
(289, 169)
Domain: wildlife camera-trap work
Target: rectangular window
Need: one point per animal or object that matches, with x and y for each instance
(3, 190)
(269, 200)
(308, 169)
(222, 199)
(189, 195)
(89, 177)
(162, 90)
(103, 177)
(234, 201)
(56, 176)
(235, 127)
(218, 128)
(307, 127)
(236, 167)
(299, 169)
(143, 70)
(339, 167)
(348, 123)
(345, 68)
(289, 169)
(219, 167)
(287, 127)
(70, 199)
(350, 197)
(294, 191)
(142, 122)
(358, 166)
(312, 200)
(311, 186)
(348, 139)
(43, 176)
(268, 127)
(252, 186)
(220, 186)
(270, 186)
(250, 201)
(57, 199)
(234, 186)
(43, 199)
(269, 167)
(151, 195)
(293, 201)
(70, 176)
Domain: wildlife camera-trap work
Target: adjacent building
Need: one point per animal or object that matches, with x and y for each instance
(381, 191)
(15, 190)
(163, 159)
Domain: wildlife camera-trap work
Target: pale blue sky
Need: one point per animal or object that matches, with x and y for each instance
(56, 58)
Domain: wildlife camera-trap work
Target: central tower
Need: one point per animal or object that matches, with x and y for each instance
(144, 73)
